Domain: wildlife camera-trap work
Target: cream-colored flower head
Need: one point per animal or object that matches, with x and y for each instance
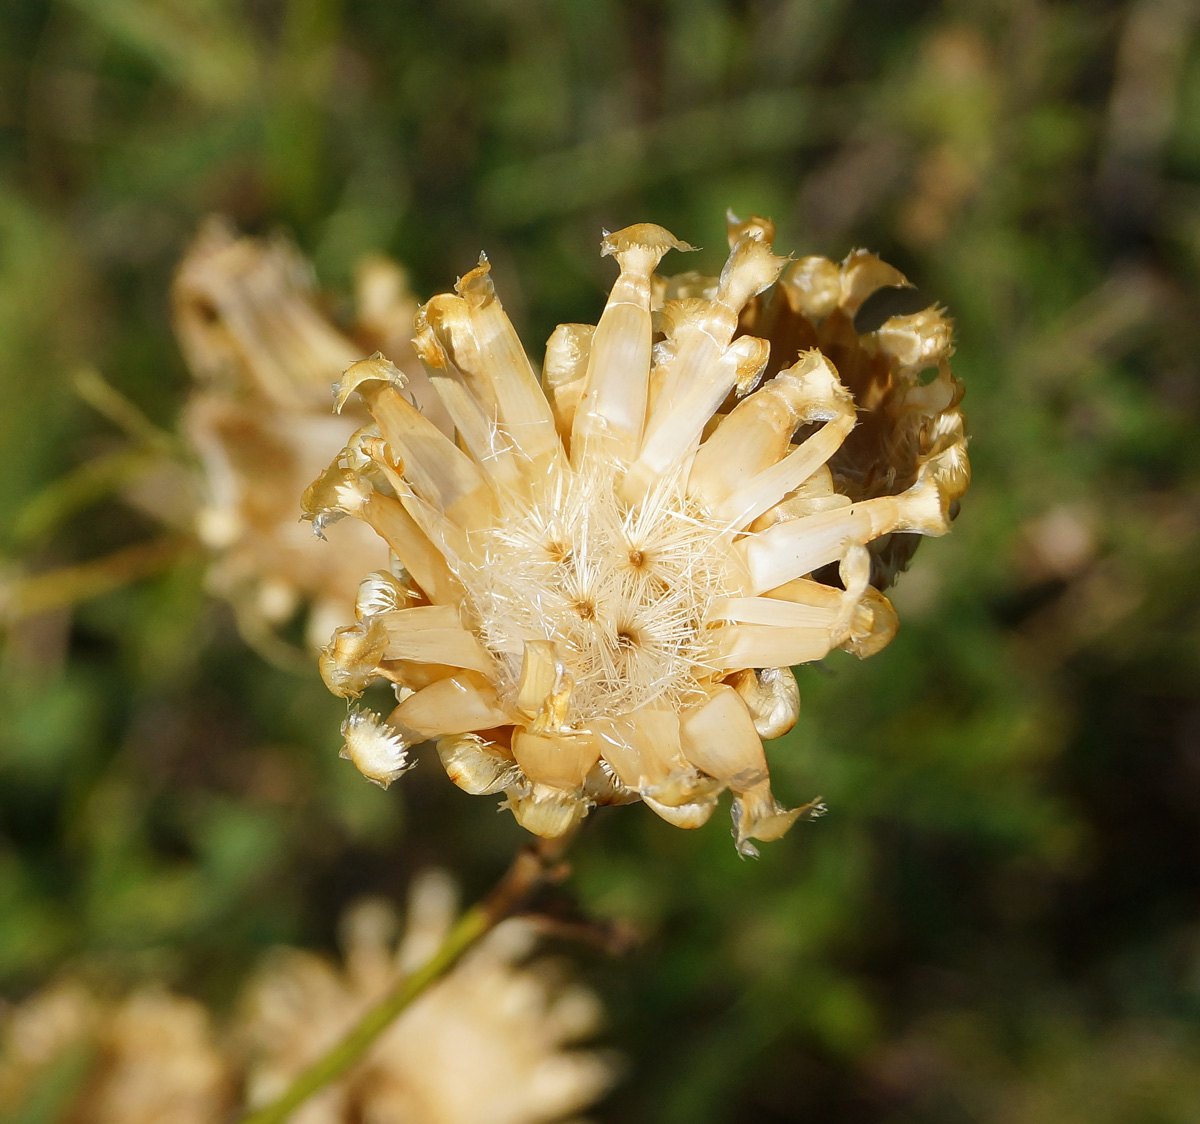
(149, 1059)
(602, 581)
(492, 1042)
(264, 356)
(487, 1044)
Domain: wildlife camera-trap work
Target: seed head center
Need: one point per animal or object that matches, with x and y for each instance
(623, 590)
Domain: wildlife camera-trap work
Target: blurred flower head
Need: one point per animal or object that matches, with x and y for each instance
(264, 355)
(487, 1045)
(490, 1043)
(601, 582)
(148, 1059)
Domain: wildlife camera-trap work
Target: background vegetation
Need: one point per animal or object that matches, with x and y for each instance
(1000, 917)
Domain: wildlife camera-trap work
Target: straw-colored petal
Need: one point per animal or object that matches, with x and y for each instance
(457, 705)
(432, 634)
(561, 761)
(768, 645)
(478, 766)
(795, 548)
(819, 397)
(772, 610)
(873, 626)
(385, 309)
(718, 736)
(522, 406)
(756, 434)
(674, 432)
(564, 373)
(758, 815)
(813, 286)
(439, 472)
(609, 417)
(916, 342)
(863, 274)
(410, 544)
(644, 751)
(544, 687)
(688, 816)
(381, 592)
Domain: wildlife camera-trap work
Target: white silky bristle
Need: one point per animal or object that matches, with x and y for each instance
(622, 589)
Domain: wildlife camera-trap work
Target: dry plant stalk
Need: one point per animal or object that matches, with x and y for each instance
(599, 583)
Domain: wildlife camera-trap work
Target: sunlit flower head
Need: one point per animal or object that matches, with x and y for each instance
(600, 583)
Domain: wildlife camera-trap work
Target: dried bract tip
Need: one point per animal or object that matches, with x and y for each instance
(544, 810)
(478, 766)
(380, 592)
(350, 660)
(379, 751)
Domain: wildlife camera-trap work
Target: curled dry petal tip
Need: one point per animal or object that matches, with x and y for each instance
(751, 268)
(758, 815)
(643, 236)
(863, 274)
(813, 286)
(918, 341)
(873, 626)
(380, 592)
(772, 697)
(753, 226)
(476, 285)
(366, 376)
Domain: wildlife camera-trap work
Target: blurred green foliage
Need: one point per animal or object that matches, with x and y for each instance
(1000, 917)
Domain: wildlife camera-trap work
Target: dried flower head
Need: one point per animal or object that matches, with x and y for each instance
(603, 581)
(264, 355)
(486, 1045)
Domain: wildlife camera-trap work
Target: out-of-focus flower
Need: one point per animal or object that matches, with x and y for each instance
(486, 1045)
(264, 357)
(150, 1059)
(604, 580)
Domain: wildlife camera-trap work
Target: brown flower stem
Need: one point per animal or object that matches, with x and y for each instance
(534, 866)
